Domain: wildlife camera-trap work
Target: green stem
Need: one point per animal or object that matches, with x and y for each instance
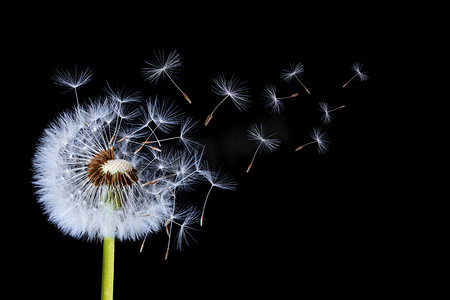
(108, 268)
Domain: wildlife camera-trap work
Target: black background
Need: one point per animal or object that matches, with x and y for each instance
(300, 223)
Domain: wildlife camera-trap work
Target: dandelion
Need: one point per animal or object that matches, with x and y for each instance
(218, 180)
(265, 142)
(271, 100)
(320, 137)
(294, 71)
(359, 74)
(98, 177)
(232, 88)
(326, 112)
(160, 66)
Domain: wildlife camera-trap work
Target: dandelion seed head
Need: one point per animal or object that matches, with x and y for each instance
(96, 178)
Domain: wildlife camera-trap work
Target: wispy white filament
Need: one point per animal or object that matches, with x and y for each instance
(234, 88)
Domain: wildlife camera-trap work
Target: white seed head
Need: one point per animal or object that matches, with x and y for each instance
(96, 174)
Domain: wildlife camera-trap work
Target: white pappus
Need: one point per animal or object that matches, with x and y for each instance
(326, 111)
(320, 137)
(265, 142)
(294, 71)
(233, 88)
(358, 73)
(270, 99)
(161, 66)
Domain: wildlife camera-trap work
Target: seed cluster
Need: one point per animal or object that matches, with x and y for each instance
(104, 170)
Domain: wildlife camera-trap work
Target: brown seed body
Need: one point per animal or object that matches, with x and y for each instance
(98, 177)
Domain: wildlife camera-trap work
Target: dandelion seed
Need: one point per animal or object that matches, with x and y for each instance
(184, 236)
(187, 129)
(326, 112)
(160, 66)
(359, 74)
(73, 79)
(320, 137)
(232, 88)
(271, 101)
(265, 142)
(218, 180)
(142, 245)
(294, 71)
(185, 218)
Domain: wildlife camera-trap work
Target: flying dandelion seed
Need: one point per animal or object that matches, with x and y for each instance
(294, 71)
(108, 171)
(320, 137)
(265, 142)
(359, 74)
(73, 79)
(232, 88)
(218, 180)
(326, 112)
(271, 101)
(160, 66)
(186, 219)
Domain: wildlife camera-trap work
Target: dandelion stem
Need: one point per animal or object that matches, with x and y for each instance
(76, 96)
(108, 268)
(79, 108)
(254, 155)
(302, 84)
(349, 80)
(185, 96)
(209, 117)
(287, 97)
(300, 147)
(204, 205)
(342, 106)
